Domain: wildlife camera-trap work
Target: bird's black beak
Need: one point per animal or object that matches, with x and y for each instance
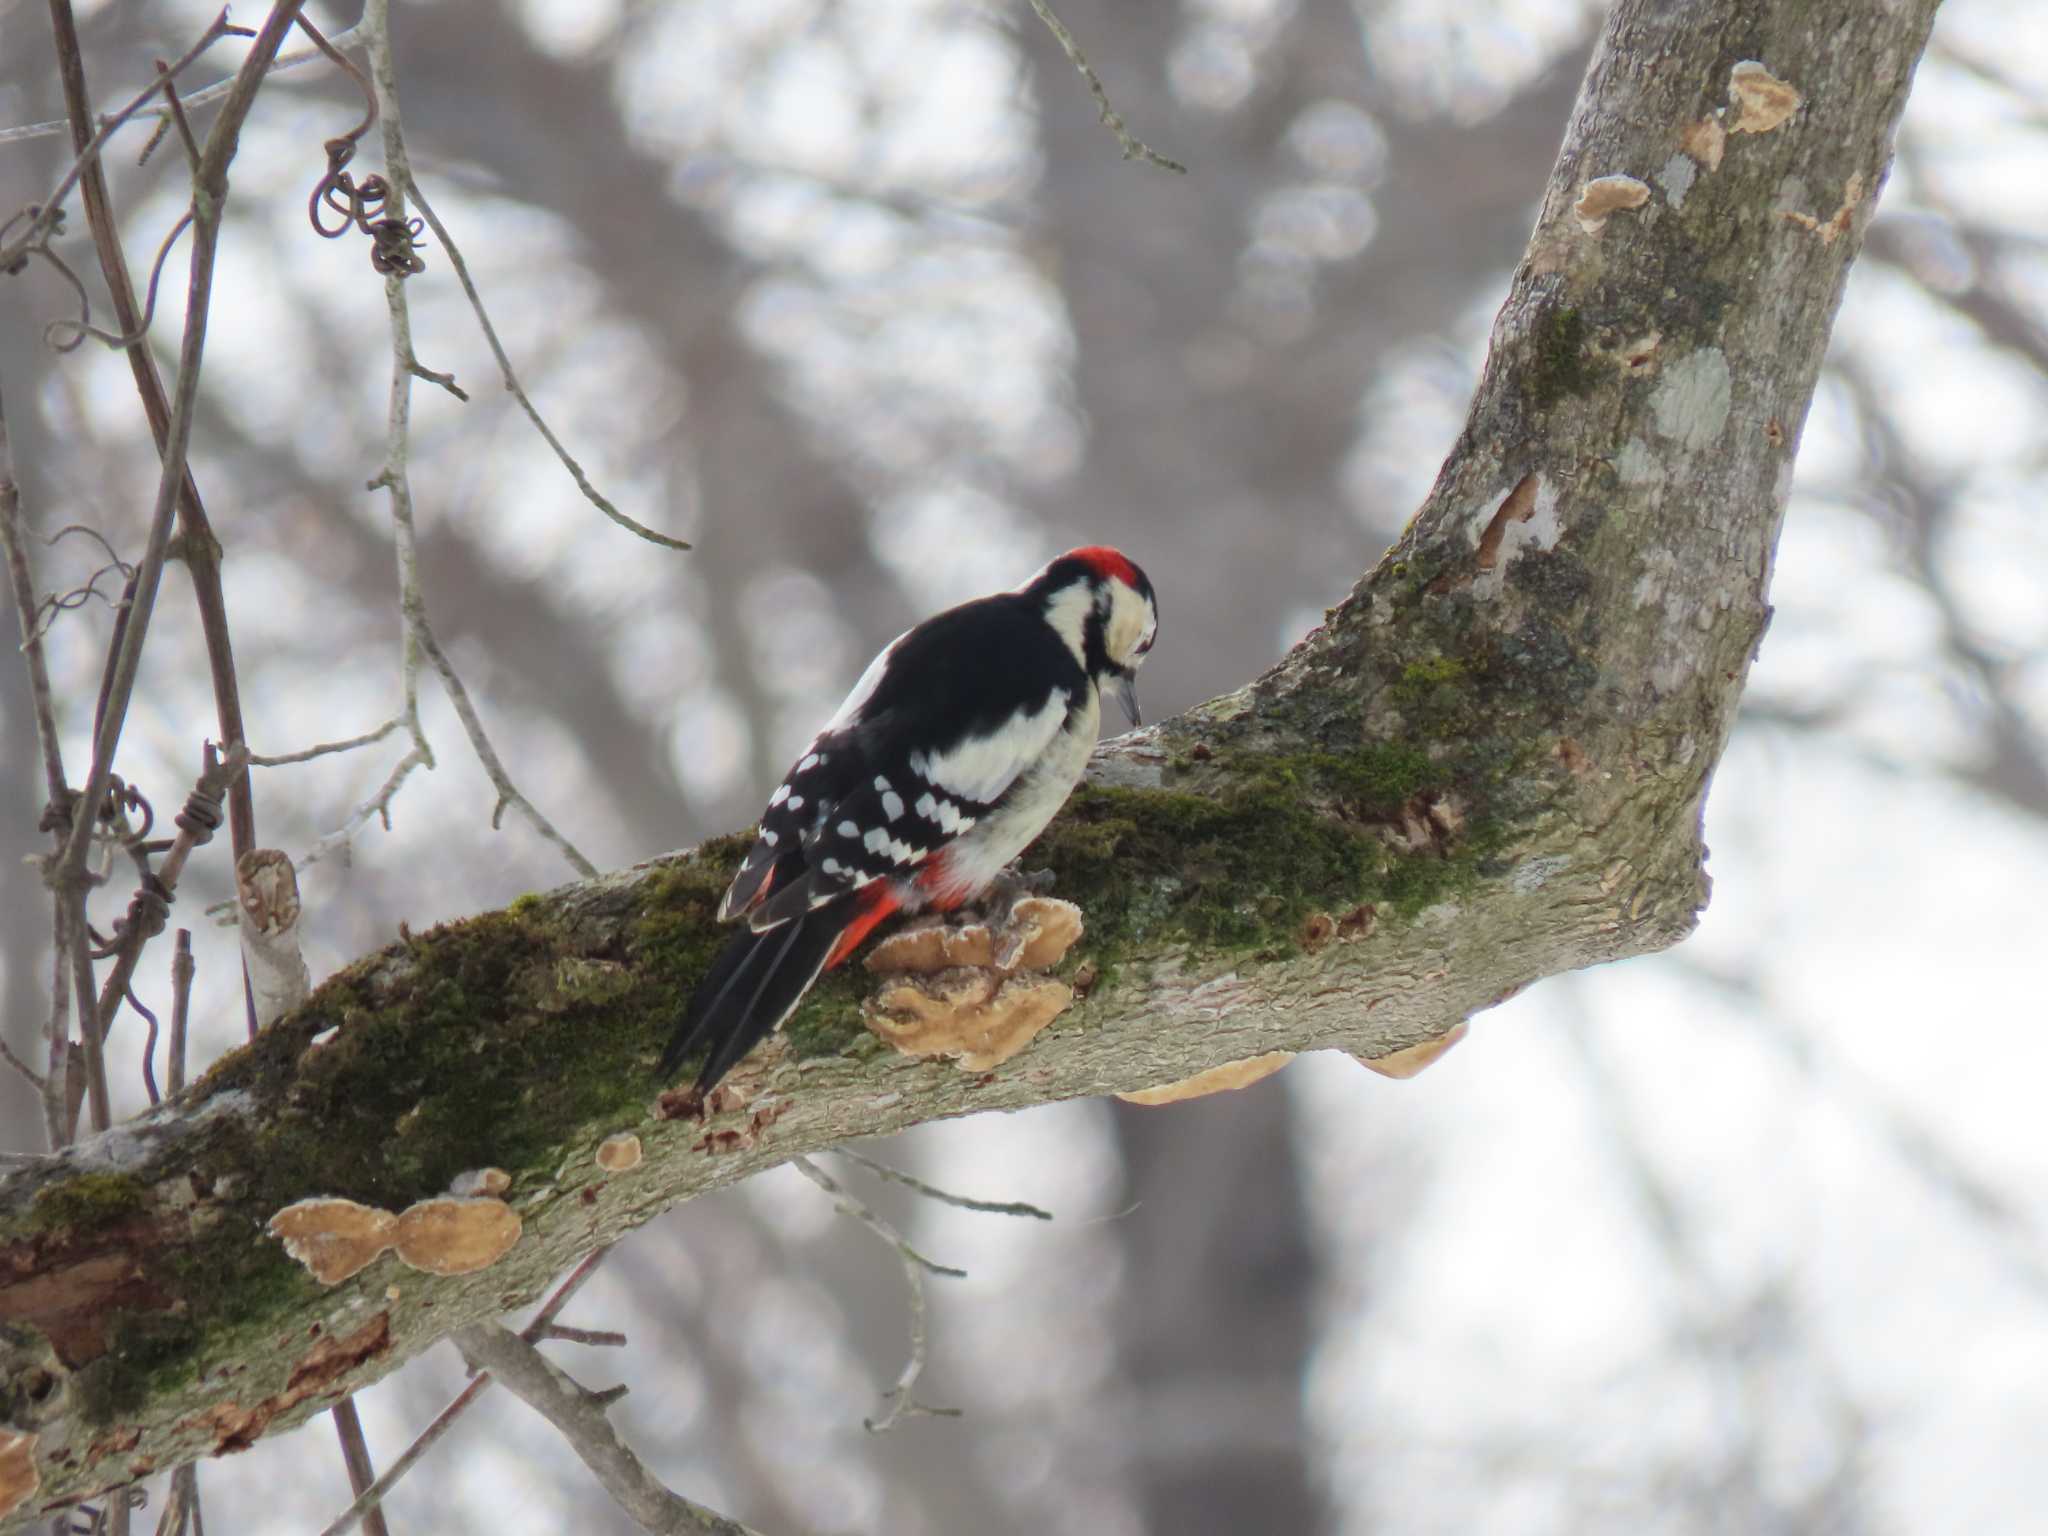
(1127, 696)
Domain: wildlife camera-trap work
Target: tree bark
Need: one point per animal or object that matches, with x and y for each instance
(1487, 767)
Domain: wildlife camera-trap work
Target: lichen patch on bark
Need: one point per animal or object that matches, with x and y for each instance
(1692, 399)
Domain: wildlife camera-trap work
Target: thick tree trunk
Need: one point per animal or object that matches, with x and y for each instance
(1486, 768)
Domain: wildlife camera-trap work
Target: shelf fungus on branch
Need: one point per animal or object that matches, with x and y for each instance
(334, 1238)
(975, 991)
(448, 1235)
(1232, 1074)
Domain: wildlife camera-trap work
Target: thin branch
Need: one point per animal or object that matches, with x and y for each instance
(327, 748)
(898, 1176)
(605, 1338)
(201, 551)
(268, 911)
(579, 1415)
(210, 189)
(183, 968)
(508, 792)
(419, 635)
(574, 1281)
(355, 1452)
(144, 920)
(372, 1496)
(1133, 148)
(51, 210)
(408, 187)
(205, 97)
(902, 1403)
(181, 1509)
(369, 1498)
(29, 1074)
(56, 1115)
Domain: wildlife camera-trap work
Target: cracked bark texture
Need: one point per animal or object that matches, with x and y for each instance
(1491, 759)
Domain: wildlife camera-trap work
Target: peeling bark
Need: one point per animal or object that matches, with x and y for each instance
(1487, 767)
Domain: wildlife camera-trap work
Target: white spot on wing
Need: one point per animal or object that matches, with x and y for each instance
(796, 802)
(770, 838)
(811, 760)
(778, 797)
(892, 804)
(848, 829)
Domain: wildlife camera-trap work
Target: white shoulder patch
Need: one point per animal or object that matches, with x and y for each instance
(982, 767)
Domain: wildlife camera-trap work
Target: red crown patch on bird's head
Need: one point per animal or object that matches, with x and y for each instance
(1106, 562)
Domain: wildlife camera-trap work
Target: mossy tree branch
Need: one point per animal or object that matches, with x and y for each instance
(1491, 760)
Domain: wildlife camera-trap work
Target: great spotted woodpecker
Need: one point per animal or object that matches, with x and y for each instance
(955, 748)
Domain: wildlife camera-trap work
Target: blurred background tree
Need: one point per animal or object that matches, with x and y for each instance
(858, 297)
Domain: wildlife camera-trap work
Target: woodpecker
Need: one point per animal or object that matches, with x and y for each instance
(958, 744)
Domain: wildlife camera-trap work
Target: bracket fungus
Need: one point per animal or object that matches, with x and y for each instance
(974, 991)
(1231, 1075)
(618, 1153)
(1604, 195)
(456, 1236)
(1410, 1060)
(449, 1235)
(334, 1238)
(1761, 100)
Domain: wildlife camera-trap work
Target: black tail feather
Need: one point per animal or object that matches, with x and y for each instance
(751, 987)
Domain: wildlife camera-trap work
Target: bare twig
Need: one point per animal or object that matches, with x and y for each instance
(196, 823)
(419, 635)
(181, 1510)
(509, 795)
(1133, 148)
(201, 551)
(407, 186)
(201, 98)
(369, 1498)
(51, 210)
(267, 903)
(898, 1176)
(355, 1452)
(28, 1074)
(327, 748)
(902, 1403)
(183, 969)
(596, 1337)
(574, 1281)
(579, 1415)
(56, 1115)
